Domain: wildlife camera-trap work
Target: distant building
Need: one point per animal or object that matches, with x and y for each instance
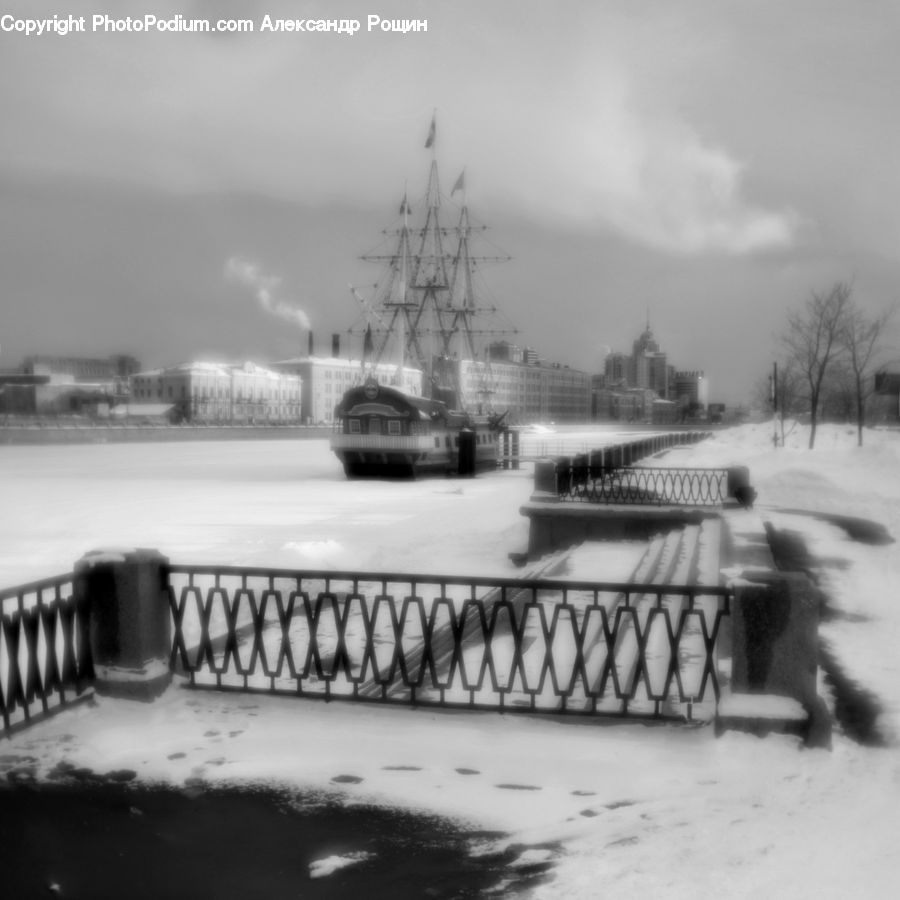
(220, 392)
(616, 369)
(885, 405)
(325, 379)
(503, 351)
(691, 391)
(65, 385)
(112, 369)
(670, 392)
(648, 365)
(526, 392)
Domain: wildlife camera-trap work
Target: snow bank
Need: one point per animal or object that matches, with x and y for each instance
(625, 810)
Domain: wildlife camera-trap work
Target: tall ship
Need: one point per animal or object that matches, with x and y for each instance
(423, 316)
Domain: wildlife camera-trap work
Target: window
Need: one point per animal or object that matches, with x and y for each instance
(393, 427)
(374, 425)
(354, 426)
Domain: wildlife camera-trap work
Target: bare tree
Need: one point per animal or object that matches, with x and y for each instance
(860, 339)
(837, 399)
(813, 341)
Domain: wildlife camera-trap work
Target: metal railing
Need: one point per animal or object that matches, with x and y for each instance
(642, 485)
(45, 659)
(474, 643)
(620, 451)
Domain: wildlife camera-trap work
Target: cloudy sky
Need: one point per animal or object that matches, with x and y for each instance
(178, 195)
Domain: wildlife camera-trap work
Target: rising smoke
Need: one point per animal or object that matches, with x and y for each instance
(264, 288)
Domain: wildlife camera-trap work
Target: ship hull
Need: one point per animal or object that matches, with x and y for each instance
(384, 433)
(369, 456)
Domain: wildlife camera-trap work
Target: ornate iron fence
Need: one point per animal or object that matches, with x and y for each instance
(474, 643)
(45, 658)
(640, 485)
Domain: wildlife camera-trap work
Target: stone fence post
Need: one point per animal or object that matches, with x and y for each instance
(775, 643)
(545, 484)
(130, 627)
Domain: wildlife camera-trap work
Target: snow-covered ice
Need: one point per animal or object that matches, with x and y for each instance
(629, 810)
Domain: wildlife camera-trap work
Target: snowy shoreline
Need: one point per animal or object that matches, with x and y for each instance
(672, 812)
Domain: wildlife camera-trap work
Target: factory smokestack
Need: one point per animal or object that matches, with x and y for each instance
(336, 346)
(312, 343)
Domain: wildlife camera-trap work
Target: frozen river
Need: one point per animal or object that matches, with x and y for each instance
(276, 503)
(279, 503)
(642, 811)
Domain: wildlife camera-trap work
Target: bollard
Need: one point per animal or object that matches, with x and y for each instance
(467, 453)
(563, 475)
(545, 488)
(738, 486)
(130, 628)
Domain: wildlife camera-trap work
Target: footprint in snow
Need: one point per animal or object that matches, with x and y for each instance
(518, 787)
(464, 771)
(623, 842)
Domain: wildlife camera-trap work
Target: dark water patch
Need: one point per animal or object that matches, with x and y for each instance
(829, 614)
(789, 550)
(15, 758)
(518, 856)
(107, 840)
(855, 708)
(864, 531)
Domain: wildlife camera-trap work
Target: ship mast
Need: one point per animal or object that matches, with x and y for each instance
(428, 296)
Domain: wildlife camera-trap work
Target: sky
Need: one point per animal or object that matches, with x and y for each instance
(706, 164)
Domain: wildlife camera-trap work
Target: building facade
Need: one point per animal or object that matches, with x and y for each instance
(648, 366)
(537, 392)
(691, 391)
(644, 387)
(222, 393)
(113, 370)
(65, 385)
(325, 379)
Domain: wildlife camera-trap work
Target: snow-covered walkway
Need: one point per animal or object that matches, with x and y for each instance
(623, 810)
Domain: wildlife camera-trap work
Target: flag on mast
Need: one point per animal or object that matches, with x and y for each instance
(460, 184)
(429, 141)
(404, 206)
